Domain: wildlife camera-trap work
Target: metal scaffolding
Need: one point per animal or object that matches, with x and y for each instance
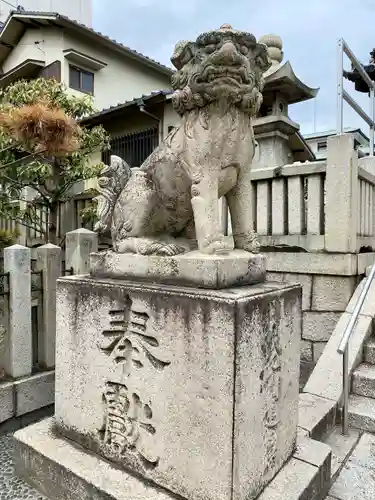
(342, 95)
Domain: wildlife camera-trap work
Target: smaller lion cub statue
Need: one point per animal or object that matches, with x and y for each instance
(170, 204)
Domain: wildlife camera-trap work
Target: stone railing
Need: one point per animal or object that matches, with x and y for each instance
(319, 206)
(366, 203)
(289, 205)
(28, 319)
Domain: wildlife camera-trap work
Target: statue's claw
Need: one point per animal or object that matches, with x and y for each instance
(171, 250)
(218, 246)
(249, 243)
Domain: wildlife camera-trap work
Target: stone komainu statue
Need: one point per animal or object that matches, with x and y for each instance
(170, 204)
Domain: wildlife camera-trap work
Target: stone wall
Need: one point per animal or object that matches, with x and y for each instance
(325, 295)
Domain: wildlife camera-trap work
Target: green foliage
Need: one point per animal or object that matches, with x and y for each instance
(8, 237)
(88, 214)
(51, 178)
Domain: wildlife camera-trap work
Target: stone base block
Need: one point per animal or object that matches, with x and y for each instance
(193, 390)
(62, 470)
(191, 269)
(27, 394)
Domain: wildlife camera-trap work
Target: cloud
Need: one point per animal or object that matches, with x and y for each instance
(309, 31)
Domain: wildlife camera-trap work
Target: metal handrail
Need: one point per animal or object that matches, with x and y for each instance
(342, 95)
(344, 347)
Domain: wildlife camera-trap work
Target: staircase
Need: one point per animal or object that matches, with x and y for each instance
(362, 398)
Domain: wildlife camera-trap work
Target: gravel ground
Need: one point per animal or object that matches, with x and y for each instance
(12, 487)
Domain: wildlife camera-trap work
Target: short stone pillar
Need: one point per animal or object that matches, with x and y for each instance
(18, 340)
(48, 260)
(341, 186)
(194, 390)
(79, 244)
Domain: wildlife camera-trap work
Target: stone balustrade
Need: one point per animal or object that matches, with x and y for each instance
(28, 319)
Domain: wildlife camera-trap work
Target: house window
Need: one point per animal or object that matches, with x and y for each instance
(82, 80)
(322, 146)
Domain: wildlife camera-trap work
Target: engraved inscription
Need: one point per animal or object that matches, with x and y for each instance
(271, 388)
(129, 427)
(128, 423)
(128, 342)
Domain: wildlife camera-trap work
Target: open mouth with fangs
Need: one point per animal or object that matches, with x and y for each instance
(232, 74)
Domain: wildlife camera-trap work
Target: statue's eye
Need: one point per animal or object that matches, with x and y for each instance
(210, 49)
(244, 50)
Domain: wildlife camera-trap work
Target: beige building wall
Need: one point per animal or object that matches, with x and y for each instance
(122, 79)
(45, 44)
(171, 118)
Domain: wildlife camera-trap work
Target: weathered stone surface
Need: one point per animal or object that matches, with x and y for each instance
(369, 352)
(34, 392)
(79, 244)
(341, 187)
(48, 260)
(295, 481)
(192, 269)
(355, 482)
(189, 365)
(170, 204)
(318, 349)
(332, 293)
(6, 401)
(341, 447)
(363, 380)
(305, 280)
(312, 263)
(363, 453)
(326, 379)
(13, 487)
(362, 413)
(368, 304)
(315, 414)
(306, 350)
(18, 348)
(318, 326)
(62, 470)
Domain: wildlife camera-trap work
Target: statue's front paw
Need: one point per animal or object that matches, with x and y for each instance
(220, 245)
(249, 243)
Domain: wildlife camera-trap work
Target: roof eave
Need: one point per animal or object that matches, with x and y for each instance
(285, 73)
(67, 23)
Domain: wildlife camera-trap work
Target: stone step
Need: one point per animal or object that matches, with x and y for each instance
(363, 380)
(362, 413)
(369, 351)
(63, 470)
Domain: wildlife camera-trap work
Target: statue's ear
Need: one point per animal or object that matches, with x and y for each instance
(183, 53)
(261, 57)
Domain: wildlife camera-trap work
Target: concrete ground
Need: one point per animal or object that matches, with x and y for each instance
(355, 477)
(356, 481)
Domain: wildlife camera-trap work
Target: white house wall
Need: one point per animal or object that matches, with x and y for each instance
(121, 80)
(45, 44)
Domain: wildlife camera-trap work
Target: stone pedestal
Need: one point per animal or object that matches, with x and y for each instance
(192, 390)
(236, 268)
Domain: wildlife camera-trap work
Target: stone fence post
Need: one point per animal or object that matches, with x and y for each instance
(341, 217)
(18, 340)
(78, 246)
(48, 260)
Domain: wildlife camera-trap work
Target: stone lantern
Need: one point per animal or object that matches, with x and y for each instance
(278, 137)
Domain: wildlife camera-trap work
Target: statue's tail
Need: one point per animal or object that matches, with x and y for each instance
(111, 182)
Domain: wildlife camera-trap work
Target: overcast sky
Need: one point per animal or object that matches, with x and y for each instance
(309, 30)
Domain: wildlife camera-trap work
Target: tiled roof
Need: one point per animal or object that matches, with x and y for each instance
(126, 104)
(141, 57)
